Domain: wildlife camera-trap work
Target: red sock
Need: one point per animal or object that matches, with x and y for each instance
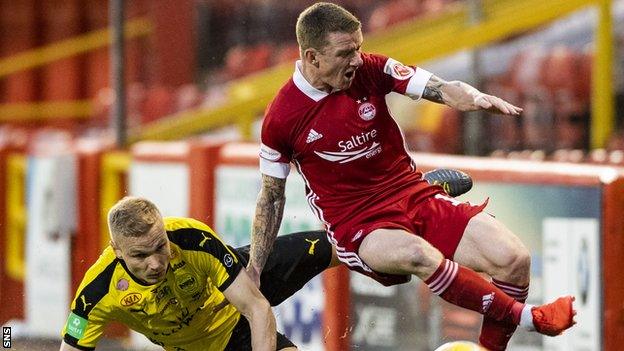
(494, 334)
(465, 288)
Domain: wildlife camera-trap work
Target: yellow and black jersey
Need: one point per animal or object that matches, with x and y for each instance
(186, 308)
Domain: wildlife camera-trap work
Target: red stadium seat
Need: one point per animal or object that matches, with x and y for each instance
(236, 62)
(616, 141)
(394, 12)
(525, 69)
(498, 153)
(559, 69)
(159, 102)
(259, 57)
(447, 138)
(537, 120)
(504, 130)
(560, 155)
(135, 99)
(286, 53)
(568, 155)
(584, 75)
(598, 156)
(102, 107)
(187, 96)
(616, 157)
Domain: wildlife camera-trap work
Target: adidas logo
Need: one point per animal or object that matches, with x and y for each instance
(487, 301)
(313, 136)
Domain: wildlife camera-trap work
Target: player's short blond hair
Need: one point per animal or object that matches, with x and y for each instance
(317, 21)
(132, 217)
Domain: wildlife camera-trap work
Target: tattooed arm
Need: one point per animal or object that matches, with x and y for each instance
(464, 97)
(266, 223)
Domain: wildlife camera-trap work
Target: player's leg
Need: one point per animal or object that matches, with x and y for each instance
(296, 259)
(488, 246)
(396, 251)
(502, 253)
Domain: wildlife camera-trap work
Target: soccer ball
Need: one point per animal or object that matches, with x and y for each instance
(460, 346)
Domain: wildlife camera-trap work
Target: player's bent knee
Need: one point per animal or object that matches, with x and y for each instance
(421, 257)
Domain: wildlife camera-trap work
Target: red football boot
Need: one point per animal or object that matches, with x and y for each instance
(553, 318)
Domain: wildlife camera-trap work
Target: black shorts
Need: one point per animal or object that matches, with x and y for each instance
(295, 260)
(240, 340)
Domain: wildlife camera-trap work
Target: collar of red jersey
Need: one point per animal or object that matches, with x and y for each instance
(302, 83)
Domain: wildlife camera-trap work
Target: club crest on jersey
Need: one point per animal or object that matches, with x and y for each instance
(122, 284)
(188, 284)
(367, 111)
(398, 70)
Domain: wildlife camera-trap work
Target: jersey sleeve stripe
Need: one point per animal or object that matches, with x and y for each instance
(274, 169)
(94, 291)
(194, 239)
(231, 277)
(417, 83)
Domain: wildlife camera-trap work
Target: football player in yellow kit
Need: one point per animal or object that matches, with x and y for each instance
(176, 282)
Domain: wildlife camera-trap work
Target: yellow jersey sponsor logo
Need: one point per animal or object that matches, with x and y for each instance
(178, 265)
(312, 245)
(131, 299)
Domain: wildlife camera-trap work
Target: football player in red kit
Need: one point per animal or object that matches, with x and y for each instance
(332, 122)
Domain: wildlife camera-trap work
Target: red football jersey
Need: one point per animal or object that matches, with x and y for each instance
(346, 145)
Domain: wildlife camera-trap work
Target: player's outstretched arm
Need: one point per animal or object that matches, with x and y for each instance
(464, 97)
(66, 347)
(248, 300)
(266, 223)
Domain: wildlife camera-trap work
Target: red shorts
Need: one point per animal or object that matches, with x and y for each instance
(439, 219)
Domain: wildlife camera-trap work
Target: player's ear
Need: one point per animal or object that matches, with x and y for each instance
(116, 249)
(310, 56)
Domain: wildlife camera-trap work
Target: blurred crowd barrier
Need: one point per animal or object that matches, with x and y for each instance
(185, 56)
(55, 190)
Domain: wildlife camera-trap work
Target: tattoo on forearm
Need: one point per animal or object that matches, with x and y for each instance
(455, 94)
(267, 219)
(433, 90)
